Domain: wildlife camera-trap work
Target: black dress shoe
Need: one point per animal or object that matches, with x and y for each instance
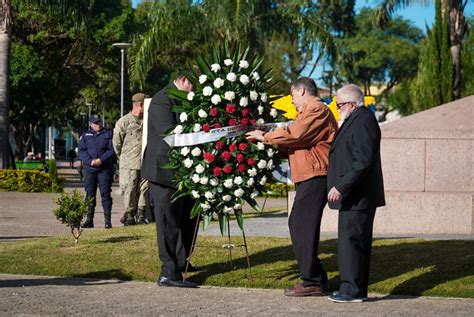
(164, 281)
(195, 268)
(88, 224)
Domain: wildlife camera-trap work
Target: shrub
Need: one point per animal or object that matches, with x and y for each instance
(30, 181)
(71, 209)
(278, 189)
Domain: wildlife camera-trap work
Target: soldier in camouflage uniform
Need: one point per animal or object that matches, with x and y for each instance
(127, 141)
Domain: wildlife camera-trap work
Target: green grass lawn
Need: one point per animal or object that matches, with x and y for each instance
(399, 266)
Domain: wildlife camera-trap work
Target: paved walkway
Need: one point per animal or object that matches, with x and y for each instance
(39, 295)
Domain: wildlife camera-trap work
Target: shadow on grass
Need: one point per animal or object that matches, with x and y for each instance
(112, 276)
(120, 239)
(414, 266)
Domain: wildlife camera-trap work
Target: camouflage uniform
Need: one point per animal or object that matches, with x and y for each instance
(127, 141)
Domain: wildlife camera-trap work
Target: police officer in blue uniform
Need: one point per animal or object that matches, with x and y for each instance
(97, 154)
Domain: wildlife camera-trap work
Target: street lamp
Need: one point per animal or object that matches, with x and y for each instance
(123, 47)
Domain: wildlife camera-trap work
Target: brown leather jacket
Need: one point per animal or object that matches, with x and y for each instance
(308, 140)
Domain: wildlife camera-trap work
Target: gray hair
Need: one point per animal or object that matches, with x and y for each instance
(352, 93)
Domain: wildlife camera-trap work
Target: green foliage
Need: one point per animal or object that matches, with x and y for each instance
(71, 209)
(29, 181)
(434, 83)
(278, 189)
(467, 62)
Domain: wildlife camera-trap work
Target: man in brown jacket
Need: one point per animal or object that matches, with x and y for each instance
(308, 140)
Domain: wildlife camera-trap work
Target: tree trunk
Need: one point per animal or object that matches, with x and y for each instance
(5, 41)
(457, 30)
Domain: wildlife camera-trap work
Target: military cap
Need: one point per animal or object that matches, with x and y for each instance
(139, 97)
(94, 118)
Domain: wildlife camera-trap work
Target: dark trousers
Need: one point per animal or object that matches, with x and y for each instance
(103, 179)
(174, 229)
(354, 249)
(305, 225)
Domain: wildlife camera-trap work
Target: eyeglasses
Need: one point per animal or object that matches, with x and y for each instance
(342, 104)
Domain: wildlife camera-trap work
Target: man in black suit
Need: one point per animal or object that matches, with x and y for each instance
(174, 228)
(355, 188)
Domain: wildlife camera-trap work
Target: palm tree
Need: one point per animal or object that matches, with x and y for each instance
(457, 28)
(72, 7)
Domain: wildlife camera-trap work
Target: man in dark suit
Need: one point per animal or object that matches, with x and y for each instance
(355, 188)
(174, 228)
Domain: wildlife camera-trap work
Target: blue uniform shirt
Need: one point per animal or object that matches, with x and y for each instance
(93, 145)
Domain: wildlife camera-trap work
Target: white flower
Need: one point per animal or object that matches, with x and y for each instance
(202, 113)
(229, 95)
(270, 152)
(252, 172)
(209, 195)
(204, 180)
(215, 68)
(190, 95)
(273, 112)
(214, 182)
(196, 151)
(263, 181)
(196, 178)
(199, 169)
(226, 197)
(228, 62)
(263, 97)
(218, 82)
(244, 101)
(205, 206)
(243, 64)
(195, 194)
(228, 183)
(260, 110)
(254, 194)
(251, 181)
(188, 162)
(228, 209)
(244, 79)
(184, 151)
(260, 146)
(260, 121)
(178, 129)
(216, 99)
(207, 91)
(231, 77)
(270, 165)
(196, 127)
(238, 206)
(183, 117)
(262, 164)
(239, 192)
(255, 76)
(202, 79)
(238, 180)
(253, 95)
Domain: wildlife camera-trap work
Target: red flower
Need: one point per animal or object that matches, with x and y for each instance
(217, 126)
(244, 121)
(230, 108)
(233, 147)
(250, 161)
(226, 155)
(217, 171)
(242, 168)
(213, 112)
(227, 169)
(242, 146)
(232, 122)
(206, 127)
(245, 112)
(253, 120)
(208, 157)
(219, 144)
(240, 158)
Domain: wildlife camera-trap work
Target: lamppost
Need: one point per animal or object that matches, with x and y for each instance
(123, 47)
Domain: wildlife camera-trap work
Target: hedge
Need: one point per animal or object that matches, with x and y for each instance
(30, 181)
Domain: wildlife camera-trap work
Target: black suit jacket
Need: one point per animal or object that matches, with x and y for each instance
(160, 119)
(355, 168)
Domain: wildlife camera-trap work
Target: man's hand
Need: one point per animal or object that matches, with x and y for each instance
(96, 163)
(255, 135)
(334, 194)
